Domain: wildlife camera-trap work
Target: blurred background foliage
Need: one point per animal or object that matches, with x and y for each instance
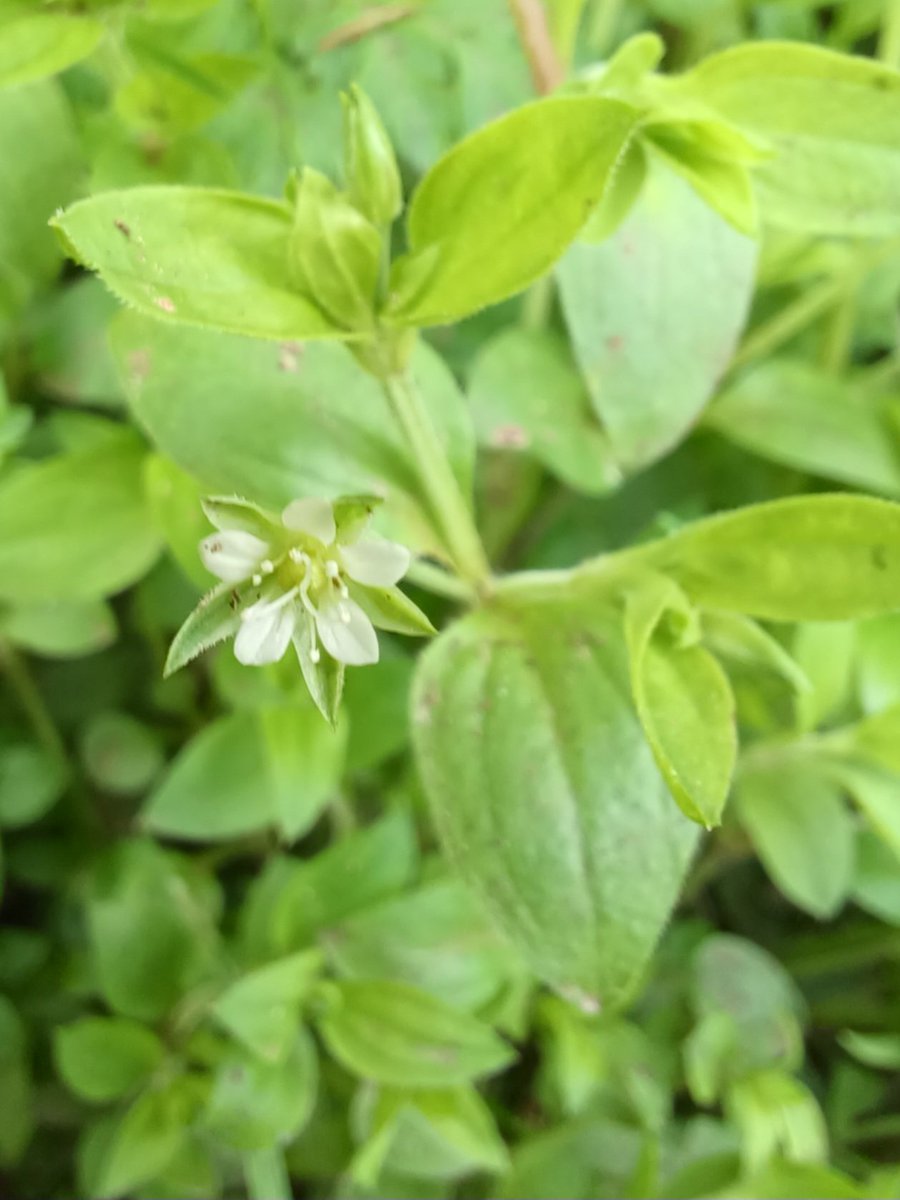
(229, 947)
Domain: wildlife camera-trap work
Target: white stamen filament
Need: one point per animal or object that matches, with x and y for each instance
(261, 608)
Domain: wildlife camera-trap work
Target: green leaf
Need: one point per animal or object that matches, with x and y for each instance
(397, 1035)
(795, 413)
(150, 929)
(826, 653)
(732, 636)
(41, 44)
(807, 558)
(256, 1104)
(31, 782)
(878, 662)
(195, 256)
(103, 1058)
(545, 793)
(494, 213)
(147, 1138)
(683, 699)
(777, 1113)
(377, 704)
(262, 1009)
(292, 901)
(874, 791)
(802, 831)
(39, 145)
(877, 738)
(876, 888)
(201, 419)
(120, 754)
(76, 526)
(434, 938)
(654, 314)
(782, 1180)
(442, 1134)
(833, 122)
(60, 628)
(527, 396)
(271, 766)
(879, 1050)
(391, 609)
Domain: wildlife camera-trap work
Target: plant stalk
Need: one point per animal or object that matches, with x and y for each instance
(448, 506)
(31, 701)
(266, 1175)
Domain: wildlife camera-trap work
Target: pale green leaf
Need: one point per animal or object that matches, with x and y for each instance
(545, 793)
(103, 1058)
(262, 1008)
(654, 314)
(76, 527)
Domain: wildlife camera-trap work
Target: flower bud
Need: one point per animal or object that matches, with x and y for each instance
(372, 176)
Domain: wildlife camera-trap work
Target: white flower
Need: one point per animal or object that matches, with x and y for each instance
(303, 574)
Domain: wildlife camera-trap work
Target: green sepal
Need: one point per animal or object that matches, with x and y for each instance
(216, 618)
(335, 253)
(325, 678)
(234, 512)
(352, 514)
(390, 609)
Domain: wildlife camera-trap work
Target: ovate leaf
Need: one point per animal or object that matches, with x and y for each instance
(496, 211)
(262, 1009)
(801, 829)
(76, 527)
(102, 1058)
(825, 558)
(195, 256)
(397, 1035)
(654, 314)
(41, 44)
(834, 123)
(545, 793)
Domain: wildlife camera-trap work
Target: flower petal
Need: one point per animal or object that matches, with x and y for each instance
(375, 562)
(264, 634)
(311, 515)
(347, 633)
(233, 554)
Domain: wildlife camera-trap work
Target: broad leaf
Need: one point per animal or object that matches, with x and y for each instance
(262, 1008)
(496, 211)
(545, 792)
(397, 1035)
(834, 123)
(654, 314)
(526, 396)
(802, 831)
(248, 771)
(796, 414)
(317, 425)
(76, 527)
(103, 1058)
(807, 558)
(195, 256)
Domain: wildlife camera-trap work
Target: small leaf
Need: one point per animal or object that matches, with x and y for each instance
(496, 211)
(31, 782)
(732, 636)
(147, 1139)
(684, 701)
(262, 1009)
(197, 256)
(397, 1035)
(103, 1058)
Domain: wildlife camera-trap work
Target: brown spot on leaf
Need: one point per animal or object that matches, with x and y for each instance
(122, 228)
(139, 364)
(510, 437)
(289, 355)
(615, 343)
(165, 303)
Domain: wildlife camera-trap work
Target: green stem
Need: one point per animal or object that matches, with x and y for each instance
(838, 344)
(435, 579)
(447, 504)
(31, 701)
(537, 304)
(889, 40)
(266, 1175)
(785, 324)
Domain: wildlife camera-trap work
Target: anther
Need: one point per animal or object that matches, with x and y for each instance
(256, 580)
(315, 655)
(267, 566)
